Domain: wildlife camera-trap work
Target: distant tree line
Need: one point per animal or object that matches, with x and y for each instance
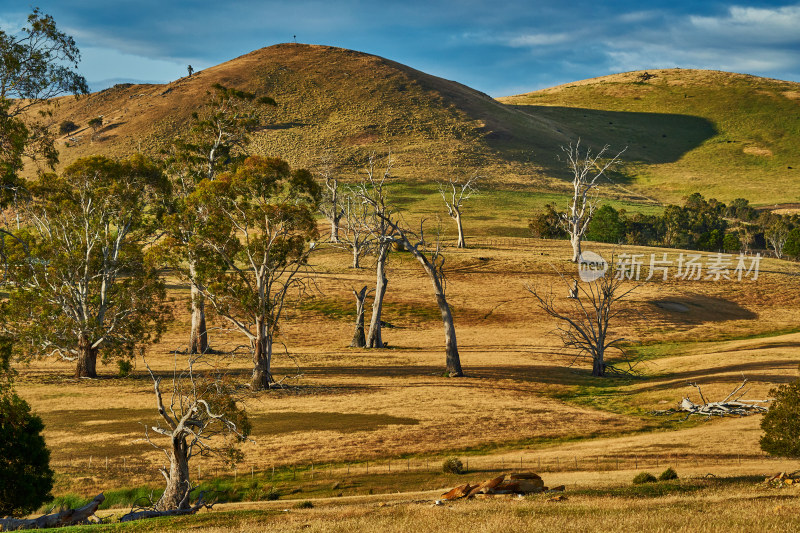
(698, 224)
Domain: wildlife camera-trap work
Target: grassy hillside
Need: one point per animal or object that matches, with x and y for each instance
(331, 102)
(723, 134)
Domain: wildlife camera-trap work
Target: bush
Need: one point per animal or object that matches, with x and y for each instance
(273, 494)
(305, 505)
(781, 424)
(125, 367)
(453, 465)
(606, 226)
(668, 474)
(67, 127)
(791, 247)
(25, 475)
(644, 477)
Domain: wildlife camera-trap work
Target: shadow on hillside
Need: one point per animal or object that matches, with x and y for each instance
(650, 138)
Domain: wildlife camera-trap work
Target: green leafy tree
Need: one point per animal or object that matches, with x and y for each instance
(606, 225)
(79, 281)
(256, 235)
(731, 242)
(36, 64)
(25, 476)
(781, 424)
(216, 141)
(791, 248)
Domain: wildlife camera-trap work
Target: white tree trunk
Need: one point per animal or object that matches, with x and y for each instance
(198, 338)
(374, 339)
(461, 242)
(262, 358)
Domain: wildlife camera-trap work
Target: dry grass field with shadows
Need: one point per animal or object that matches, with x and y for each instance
(351, 428)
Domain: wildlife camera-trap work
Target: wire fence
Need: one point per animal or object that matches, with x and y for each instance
(136, 470)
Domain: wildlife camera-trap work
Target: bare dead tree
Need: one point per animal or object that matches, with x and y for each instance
(455, 193)
(586, 169)
(331, 204)
(776, 235)
(356, 233)
(372, 193)
(584, 320)
(201, 418)
(359, 339)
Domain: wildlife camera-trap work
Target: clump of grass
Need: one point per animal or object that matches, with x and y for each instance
(272, 494)
(304, 505)
(453, 465)
(668, 475)
(644, 477)
(64, 501)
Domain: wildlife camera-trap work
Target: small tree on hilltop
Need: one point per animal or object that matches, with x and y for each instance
(781, 424)
(79, 281)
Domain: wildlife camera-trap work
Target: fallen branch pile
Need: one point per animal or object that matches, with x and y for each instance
(784, 480)
(505, 485)
(67, 517)
(142, 513)
(732, 405)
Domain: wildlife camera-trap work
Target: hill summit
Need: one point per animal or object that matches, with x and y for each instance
(725, 135)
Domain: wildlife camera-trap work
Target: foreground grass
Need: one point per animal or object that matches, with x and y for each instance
(734, 503)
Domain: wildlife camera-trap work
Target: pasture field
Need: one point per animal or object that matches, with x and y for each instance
(353, 428)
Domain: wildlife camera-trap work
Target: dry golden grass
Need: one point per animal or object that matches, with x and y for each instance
(520, 399)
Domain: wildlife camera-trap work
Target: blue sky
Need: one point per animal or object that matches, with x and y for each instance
(499, 47)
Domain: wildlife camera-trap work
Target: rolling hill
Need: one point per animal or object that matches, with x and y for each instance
(331, 102)
(744, 129)
(725, 135)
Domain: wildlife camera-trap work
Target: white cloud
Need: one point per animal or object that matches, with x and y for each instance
(106, 63)
(753, 24)
(539, 39)
(744, 39)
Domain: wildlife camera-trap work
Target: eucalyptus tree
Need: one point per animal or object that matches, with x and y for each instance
(201, 417)
(454, 194)
(586, 169)
(78, 279)
(257, 232)
(36, 64)
(372, 193)
(218, 138)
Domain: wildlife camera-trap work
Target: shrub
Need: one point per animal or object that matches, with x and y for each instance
(25, 475)
(304, 505)
(791, 247)
(668, 475)
(67, 126)
(125, 367)
(96, 123)
(644, 477)
(781, 424)
(273, 494)
(453, 465)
